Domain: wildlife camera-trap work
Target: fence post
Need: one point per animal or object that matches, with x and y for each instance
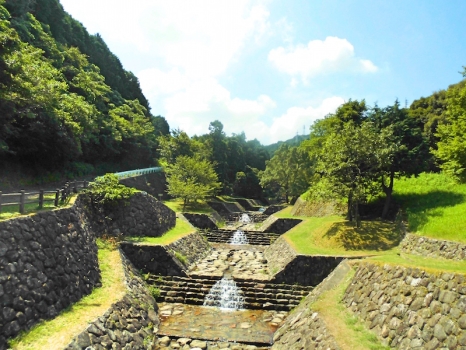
(74, 186)
(0, 201)
(57, 197)
(41, 199)
(85, 183)
(22, 200)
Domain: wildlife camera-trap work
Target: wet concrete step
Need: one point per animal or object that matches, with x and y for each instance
(267, 296)
(254, 238)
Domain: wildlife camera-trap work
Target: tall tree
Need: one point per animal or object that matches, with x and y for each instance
(191, 178)
(410, 147)
(350, 163)
(290, 169)
(451, 147)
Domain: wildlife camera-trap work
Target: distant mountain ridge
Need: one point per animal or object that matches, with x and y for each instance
(295, 141)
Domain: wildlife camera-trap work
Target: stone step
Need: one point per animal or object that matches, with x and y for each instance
(266, 296)
(254, 238)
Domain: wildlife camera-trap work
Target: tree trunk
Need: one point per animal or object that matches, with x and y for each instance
(357, 218)
(349, 213)
(388, 193)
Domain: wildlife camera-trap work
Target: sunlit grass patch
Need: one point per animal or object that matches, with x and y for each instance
(350, 333)
(200, 207)
(421, 262)
(57, 333)
(434, 205)
(332, 235)
(12, 211)
(181, 229)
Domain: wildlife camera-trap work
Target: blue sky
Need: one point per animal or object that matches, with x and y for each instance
(271, 68)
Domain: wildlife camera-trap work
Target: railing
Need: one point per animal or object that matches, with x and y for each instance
(138, 172)
(22, 198)
(60, 195)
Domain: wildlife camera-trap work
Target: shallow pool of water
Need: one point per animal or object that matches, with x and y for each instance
(211, 323)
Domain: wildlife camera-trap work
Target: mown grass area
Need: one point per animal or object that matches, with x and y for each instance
(181, 229)
(433, 205)
(421, 262)
(333, 235)
(200, 207)
(12, 211)
(57, 333)
(351, 334)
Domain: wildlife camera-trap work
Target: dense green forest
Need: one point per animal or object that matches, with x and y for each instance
(65, 100)
(68, 107)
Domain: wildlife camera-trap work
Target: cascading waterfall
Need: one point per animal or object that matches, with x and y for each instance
(245, 219)
(239, 237)
(225, 295)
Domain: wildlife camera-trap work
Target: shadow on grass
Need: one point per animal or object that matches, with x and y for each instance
(421, 207)
(372, 235)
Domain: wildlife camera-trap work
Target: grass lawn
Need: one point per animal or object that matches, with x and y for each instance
(57, 333)
(351, 334)
(200, 207)
(12, 211)
(181, 229)
(434, 205)
(333, 235)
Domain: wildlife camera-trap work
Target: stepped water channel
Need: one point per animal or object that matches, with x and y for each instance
(227, 297)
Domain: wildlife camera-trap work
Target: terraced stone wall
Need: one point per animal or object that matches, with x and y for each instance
(201, 221)
(410, 308)
(48, 261)
(141, 215)
(435, 248)
(154, 184)
(280, 226)
(289, 267)
(130, 323)
(163, 260)
(305, 328)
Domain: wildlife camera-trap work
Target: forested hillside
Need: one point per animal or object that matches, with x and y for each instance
(66, 103)
(356, 154)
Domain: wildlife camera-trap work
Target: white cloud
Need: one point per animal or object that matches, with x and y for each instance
(206, 100)
(287, 125)
(319, 57)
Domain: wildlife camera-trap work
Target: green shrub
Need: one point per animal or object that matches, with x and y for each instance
(107, 189)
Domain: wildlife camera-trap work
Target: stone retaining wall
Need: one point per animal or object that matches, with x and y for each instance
(279, 225)
(155, 259)
(154, 184)
(434, 248)
(48, 261)
(318, 209)
(163, 260)
(304, 328)
(193, 247)
(141, 215)
(409, 308)
(131, 323)
(201, 221)
(289, 267)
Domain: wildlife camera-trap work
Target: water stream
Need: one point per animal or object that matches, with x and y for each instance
(245, 218)
(225, 295)
(239, 237)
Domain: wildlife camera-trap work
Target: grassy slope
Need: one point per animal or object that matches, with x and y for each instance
(332, 235)
(351, 333)
(181, 229)
(434, 206)
(57, 333)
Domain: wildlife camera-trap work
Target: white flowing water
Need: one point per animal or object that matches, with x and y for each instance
(225, 295)
(245, 219)
(239, 237)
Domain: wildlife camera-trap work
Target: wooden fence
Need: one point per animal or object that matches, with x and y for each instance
(22, 198)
